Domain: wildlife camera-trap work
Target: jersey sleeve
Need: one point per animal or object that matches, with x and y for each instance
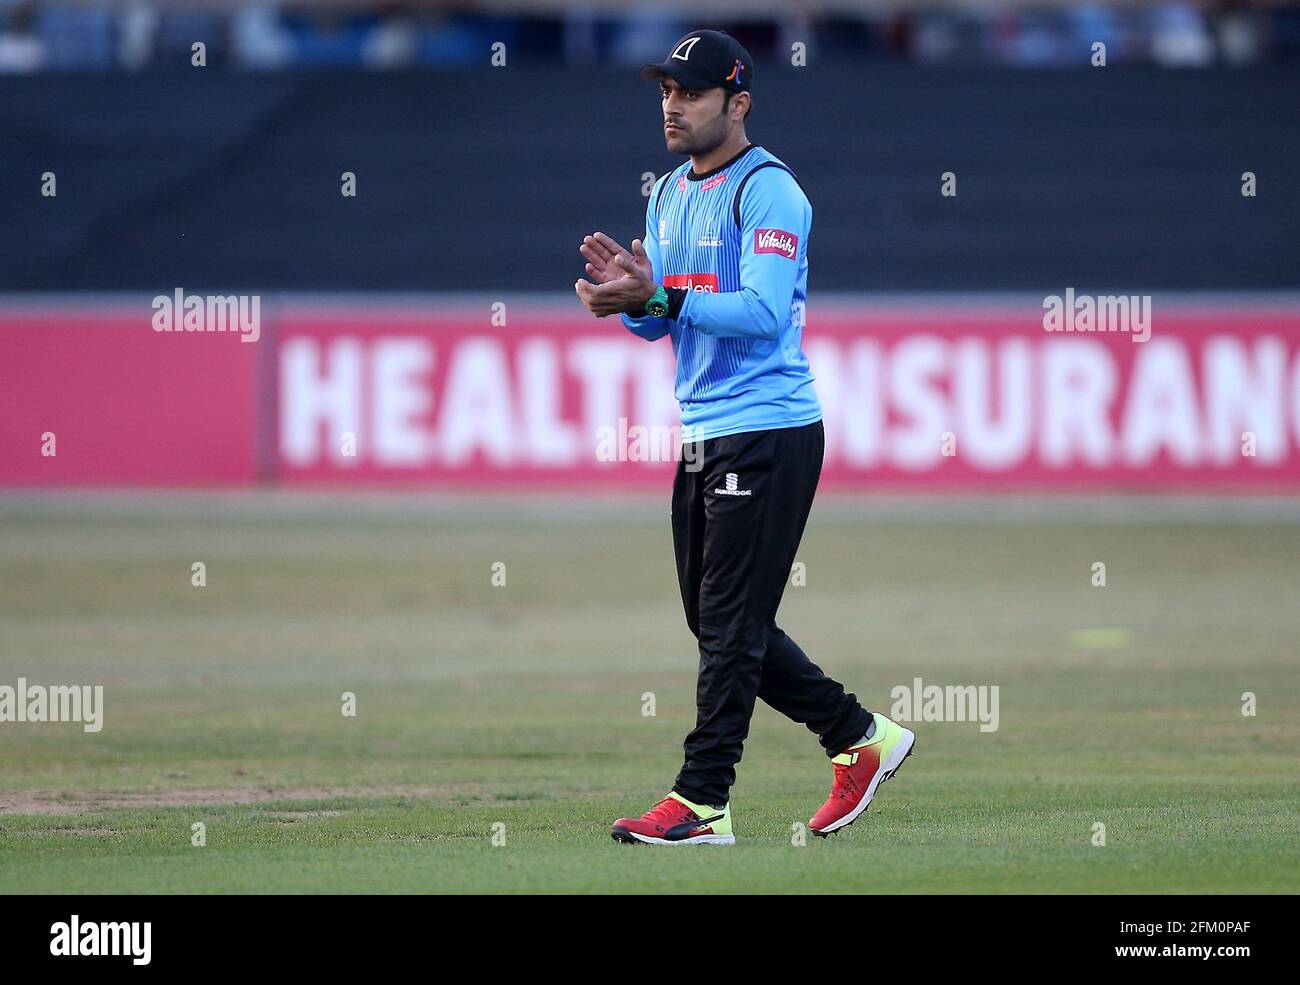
(775, 220)
(648, 327)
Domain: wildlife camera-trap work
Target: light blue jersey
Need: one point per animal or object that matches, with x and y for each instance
(737, 237)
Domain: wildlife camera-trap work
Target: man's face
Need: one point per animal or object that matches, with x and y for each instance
(694, 122)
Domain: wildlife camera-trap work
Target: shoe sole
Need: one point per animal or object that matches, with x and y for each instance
(632, 838)
(909, 743)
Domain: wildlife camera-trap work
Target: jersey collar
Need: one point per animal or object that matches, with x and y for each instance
(692, 176)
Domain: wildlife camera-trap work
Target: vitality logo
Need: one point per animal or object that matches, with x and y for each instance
(776, 241)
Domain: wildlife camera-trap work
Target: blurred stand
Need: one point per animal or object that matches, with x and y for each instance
(134, 35)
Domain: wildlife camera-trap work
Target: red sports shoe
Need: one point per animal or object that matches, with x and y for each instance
(676, 821)
(859, 770)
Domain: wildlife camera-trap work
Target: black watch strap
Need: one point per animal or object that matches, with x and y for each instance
(676, 297)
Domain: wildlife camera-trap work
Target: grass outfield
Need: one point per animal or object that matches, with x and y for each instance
(522, 705)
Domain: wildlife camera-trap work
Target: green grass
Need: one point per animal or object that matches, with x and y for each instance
(522, 705)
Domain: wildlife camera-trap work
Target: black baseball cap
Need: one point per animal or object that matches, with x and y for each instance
(705, 60)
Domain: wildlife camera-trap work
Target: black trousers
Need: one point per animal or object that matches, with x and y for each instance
(738, 514)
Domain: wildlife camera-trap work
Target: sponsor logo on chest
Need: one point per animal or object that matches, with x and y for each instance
(709, 185)
(707, 283)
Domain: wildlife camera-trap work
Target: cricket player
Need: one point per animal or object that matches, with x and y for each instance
(723, 271)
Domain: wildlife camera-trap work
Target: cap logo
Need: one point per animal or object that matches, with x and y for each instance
(683, 50)
(735, 72)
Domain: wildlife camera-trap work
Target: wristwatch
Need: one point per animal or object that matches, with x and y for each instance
(657, 306)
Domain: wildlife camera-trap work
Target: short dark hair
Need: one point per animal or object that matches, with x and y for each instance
(726, 102)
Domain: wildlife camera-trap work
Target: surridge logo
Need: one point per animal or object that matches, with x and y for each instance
(101, 938)
(732, 486)
(776, 241)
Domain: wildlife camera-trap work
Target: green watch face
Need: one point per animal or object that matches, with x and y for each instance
(658, 303)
